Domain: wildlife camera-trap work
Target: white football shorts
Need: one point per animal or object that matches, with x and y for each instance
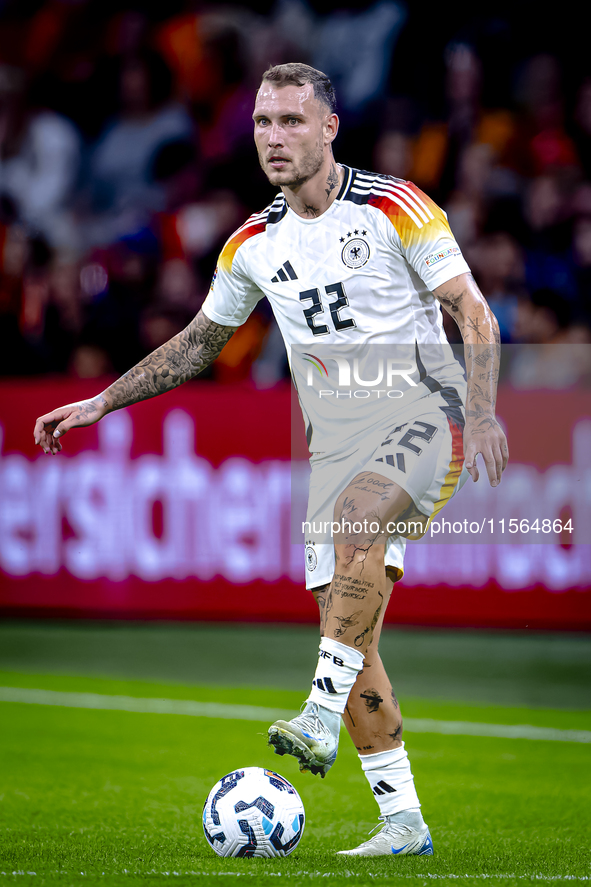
(422, 451)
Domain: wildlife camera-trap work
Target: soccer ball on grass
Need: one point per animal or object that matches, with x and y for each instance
(253, 812)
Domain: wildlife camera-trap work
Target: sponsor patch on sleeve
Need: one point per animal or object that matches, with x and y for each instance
(442, 254)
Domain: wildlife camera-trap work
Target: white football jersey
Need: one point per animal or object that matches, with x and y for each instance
(356, 277)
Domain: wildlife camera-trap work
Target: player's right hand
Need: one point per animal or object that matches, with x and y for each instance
(50, 427)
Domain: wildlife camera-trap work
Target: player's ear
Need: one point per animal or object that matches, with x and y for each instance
(331, 128)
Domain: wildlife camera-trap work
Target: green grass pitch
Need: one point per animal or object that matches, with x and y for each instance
(108, 797)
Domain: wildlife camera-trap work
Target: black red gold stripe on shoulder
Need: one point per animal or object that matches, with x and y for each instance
(249, 229)
(256, 224)
(403, 200)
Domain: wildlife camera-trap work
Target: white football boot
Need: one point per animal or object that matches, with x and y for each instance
(312, 737)
(395, 839)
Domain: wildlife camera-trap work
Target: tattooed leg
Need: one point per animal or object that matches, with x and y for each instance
(372, 716)
(358, 593)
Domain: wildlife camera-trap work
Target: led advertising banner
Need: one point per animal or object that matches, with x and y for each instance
(183, 507)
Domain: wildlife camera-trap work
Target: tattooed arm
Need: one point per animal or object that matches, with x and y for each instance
(463, 300)
(175, 362)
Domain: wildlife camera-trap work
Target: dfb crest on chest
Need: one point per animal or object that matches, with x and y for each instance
(355, 251)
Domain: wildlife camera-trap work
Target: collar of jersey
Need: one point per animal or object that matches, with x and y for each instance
(344, 188)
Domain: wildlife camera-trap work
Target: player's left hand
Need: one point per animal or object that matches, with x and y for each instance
(491, 443)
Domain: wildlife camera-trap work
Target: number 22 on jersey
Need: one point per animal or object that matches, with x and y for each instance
(340, 323)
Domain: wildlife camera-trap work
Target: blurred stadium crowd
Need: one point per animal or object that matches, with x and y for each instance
(126, 159)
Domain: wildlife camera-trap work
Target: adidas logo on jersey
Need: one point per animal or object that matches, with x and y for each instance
(284, 273)
(324, 684)
(382, 787)
(400, 464)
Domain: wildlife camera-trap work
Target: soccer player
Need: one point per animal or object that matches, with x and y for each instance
(356, 263)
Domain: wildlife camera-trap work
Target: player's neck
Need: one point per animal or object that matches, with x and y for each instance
(316, 195)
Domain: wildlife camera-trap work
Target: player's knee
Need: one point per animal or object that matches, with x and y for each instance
(362, 527)
(361, 552)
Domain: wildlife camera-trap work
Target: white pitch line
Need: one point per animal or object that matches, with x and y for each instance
(148, 705)
(309, 874)
(500, 731)
(145, 705)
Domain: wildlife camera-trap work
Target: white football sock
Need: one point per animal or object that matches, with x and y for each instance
(390, 779)
(336, 672)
